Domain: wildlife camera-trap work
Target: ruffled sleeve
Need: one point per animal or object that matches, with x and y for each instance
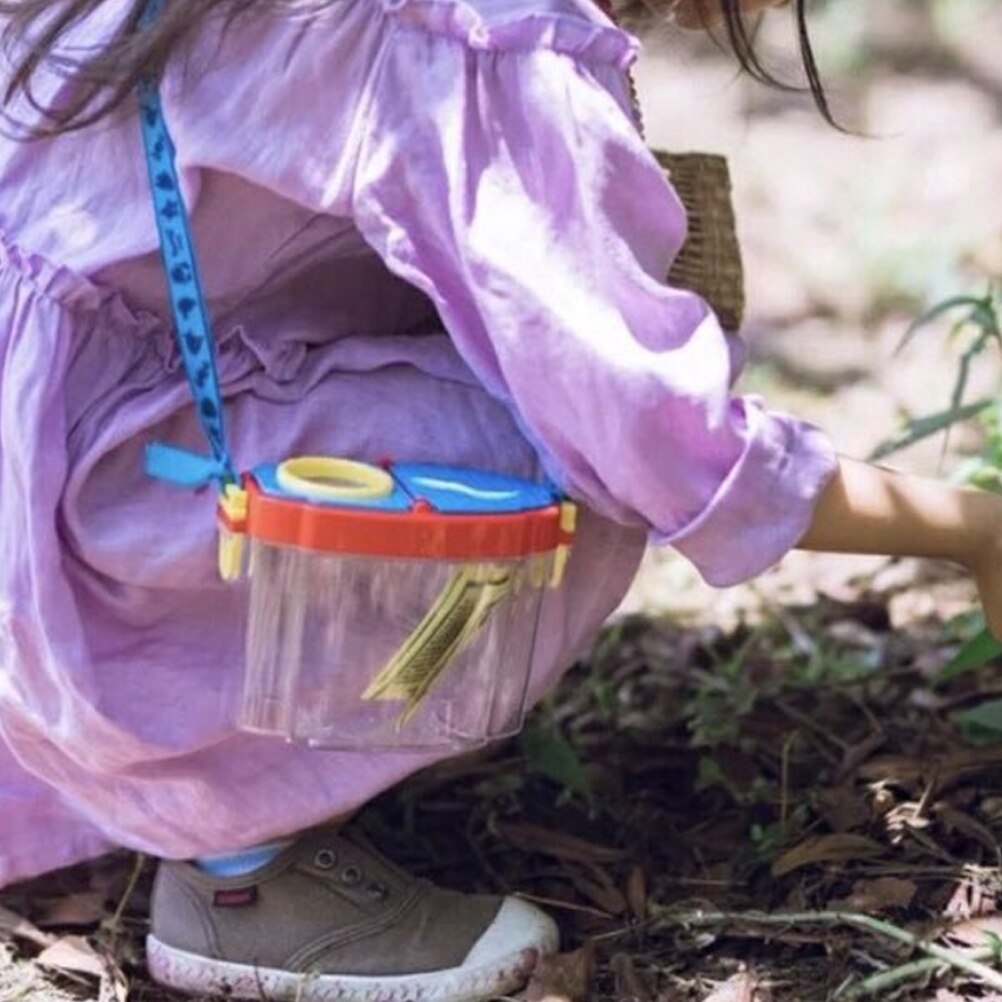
(505, 178)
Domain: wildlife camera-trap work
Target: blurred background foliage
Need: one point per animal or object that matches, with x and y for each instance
(849, 239)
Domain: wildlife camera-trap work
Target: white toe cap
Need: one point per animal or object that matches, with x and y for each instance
(517, 926)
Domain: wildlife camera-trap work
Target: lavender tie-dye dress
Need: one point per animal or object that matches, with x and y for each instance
(429, 229)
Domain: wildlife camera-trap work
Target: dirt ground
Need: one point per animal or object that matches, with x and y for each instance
(768, 794)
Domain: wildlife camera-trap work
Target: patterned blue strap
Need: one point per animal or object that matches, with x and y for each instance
(192, 327)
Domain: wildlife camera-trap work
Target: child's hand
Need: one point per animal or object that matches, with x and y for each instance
(867, 509)
(987, 571)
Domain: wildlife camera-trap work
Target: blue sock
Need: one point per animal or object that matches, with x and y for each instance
(239, 864)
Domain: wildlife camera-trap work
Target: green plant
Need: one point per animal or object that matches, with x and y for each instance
(549, 753)
(977, 329)
(980, 724)
(724, 695)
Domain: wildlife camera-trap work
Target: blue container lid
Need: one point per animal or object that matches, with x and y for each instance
(446, 489)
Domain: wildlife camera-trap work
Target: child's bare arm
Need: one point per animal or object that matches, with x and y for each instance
(868, 509)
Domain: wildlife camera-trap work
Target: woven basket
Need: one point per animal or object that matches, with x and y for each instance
(709, 263)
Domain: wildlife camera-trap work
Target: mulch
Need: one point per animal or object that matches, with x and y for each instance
(801, 809)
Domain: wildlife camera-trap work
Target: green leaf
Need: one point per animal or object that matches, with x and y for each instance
(981, 724)
(552, 755)
(994, 944)
(976, 653)
(985, 317)
(710, 775)
(921, 428)
(974, 303)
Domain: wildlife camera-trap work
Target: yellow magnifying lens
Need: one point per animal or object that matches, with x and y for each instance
(326, 478)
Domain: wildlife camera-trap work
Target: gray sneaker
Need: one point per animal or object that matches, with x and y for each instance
(329, 919)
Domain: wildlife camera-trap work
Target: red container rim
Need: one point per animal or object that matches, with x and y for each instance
(417, 533)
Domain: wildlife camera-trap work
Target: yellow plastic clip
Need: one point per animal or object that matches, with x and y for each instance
(232, 515)
(568, 526)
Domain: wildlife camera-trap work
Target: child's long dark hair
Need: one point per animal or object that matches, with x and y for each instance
(744, 48)
(102, 81)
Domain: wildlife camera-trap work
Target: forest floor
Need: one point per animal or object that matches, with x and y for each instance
(795, 810)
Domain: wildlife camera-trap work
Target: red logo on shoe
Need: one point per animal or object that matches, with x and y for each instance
(235, 898)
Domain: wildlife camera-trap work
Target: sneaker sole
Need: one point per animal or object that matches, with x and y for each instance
(197, 975)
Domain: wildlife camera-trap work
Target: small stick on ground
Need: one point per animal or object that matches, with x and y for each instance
(944, 955)
(114, 924)
(894, 976)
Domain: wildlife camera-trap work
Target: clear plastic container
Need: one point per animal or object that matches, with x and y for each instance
(405, 618)
(352, 652)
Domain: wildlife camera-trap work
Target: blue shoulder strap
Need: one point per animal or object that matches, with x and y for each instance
(192, 326)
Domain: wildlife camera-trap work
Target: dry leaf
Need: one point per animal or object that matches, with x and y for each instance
(636, 893)
(955, 820)
(114, 986)
(536, 838)
(878, 895)
(73, 953)
(81, 908)
(856, 754)
(563, 977)
(630, 985)
(600, 892)
(897, 769)
(12, 924)
(826, 849)
(743, 987)
(843, 809)
(983, 930)
(972, 896)
(946, 769)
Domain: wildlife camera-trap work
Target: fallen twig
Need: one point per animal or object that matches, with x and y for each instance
(114, 924)
(894, 976)
(943, 954)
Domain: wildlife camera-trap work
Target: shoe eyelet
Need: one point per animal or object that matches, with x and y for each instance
(325, 859)
(377, 890)
(351, 875)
